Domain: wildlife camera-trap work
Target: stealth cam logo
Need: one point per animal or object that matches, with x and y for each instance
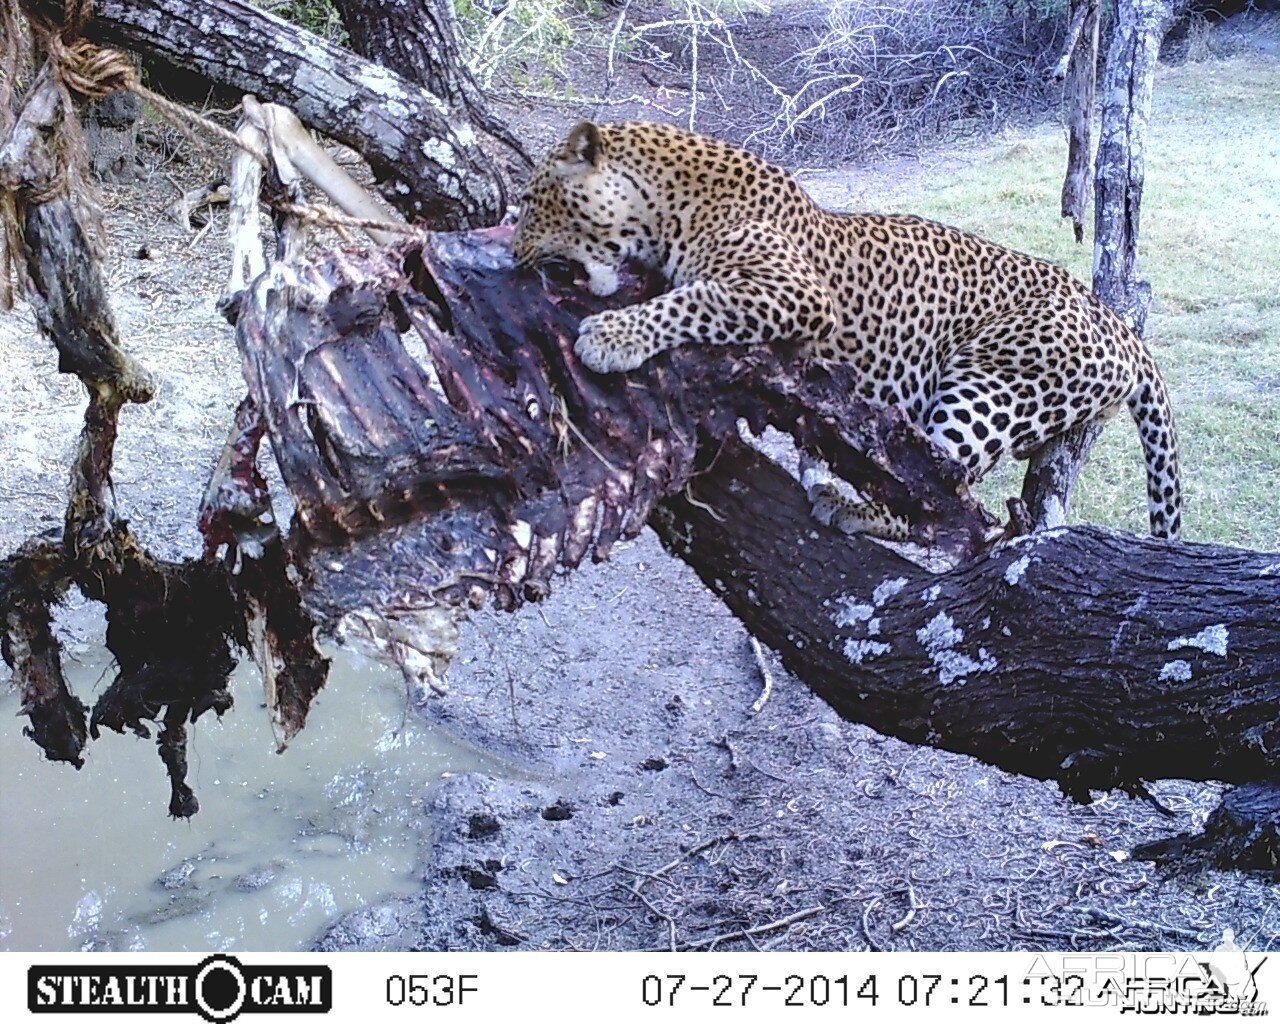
(218, 989)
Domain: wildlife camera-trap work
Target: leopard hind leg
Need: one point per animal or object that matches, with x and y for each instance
(981, 412)
(832, 507)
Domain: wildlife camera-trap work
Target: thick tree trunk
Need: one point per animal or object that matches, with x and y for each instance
(1085, 656)
(417, 39)
(426, 155)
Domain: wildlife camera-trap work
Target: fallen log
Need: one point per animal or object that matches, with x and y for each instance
(1093, 658)
(1082, 655)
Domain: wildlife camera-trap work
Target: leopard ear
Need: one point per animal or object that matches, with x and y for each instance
(583, 149)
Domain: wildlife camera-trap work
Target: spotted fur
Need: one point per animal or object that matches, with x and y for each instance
(987, 349)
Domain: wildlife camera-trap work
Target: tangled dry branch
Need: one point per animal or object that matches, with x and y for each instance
(835, 82)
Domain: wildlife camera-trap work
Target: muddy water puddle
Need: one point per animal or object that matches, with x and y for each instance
(282, 843)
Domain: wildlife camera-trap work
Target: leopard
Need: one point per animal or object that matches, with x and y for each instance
(989, 351)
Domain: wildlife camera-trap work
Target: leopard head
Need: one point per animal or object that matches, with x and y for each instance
(584, 207)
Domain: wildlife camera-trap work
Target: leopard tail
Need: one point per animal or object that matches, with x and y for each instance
(1149, 406)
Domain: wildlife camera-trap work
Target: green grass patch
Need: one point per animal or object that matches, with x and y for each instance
(1210, 246)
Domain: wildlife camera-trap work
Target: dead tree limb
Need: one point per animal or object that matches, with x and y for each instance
(1121, 161)
(1078, 69)
(1084, 656)
(170, 625)
(1243, 832)
(427, 156)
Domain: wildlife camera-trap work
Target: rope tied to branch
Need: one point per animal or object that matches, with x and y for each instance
(76, 67)
(94, 71)
(89, 70)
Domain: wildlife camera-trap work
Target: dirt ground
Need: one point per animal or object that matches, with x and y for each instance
(648, 806)
(633, 691)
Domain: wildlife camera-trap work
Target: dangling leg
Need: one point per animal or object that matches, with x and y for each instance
(1009, 389)
(833, 508)
(1014, 390)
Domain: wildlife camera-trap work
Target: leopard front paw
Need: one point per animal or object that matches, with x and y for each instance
(606, 344)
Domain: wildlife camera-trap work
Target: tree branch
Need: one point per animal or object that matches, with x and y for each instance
(426, 155)
(1085, 656)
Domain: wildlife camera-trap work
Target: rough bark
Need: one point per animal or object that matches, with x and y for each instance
(418, 40)
(1121, 160)
(111, 136)
(426, 156)
(1082, 655)
(1078, 68)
